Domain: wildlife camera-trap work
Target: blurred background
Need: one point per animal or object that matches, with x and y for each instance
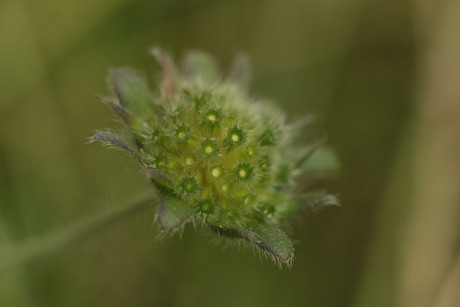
(382, 79)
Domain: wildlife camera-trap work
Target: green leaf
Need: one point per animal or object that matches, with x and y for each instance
(268, 237)
(173, 213)
(133, 92)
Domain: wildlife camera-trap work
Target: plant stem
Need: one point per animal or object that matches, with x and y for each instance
(41, 245)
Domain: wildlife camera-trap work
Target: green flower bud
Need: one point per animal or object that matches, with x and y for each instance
(214, 154)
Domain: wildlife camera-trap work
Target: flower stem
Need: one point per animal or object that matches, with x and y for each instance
(42, 245)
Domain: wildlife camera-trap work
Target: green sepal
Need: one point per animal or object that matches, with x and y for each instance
(240, 72)
(120, 110)
(283, 175)
(160, 181)
(199, 65)
(168, 86)
(321, 160)
(232, 232)
(268, 237)
(172, 213)
(133, 92)
(111, 139)
(317, 200)
(268, 138)
(310, 201)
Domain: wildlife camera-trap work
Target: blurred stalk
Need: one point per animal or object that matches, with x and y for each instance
(411, 259)
(33, 248)
(430, 273)
(13, 291)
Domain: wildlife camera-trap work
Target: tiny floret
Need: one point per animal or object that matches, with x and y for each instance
(189, 160)
(206, 206)
(217, 171)
(209, 148)
(189, 186)
(212, 116)
(181, 133)
(159, 162)
(236, 136)
(244, 171)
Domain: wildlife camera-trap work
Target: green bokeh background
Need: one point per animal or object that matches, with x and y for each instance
(381, 78)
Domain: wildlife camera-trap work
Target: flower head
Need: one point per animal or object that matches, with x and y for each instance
(214, 153)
